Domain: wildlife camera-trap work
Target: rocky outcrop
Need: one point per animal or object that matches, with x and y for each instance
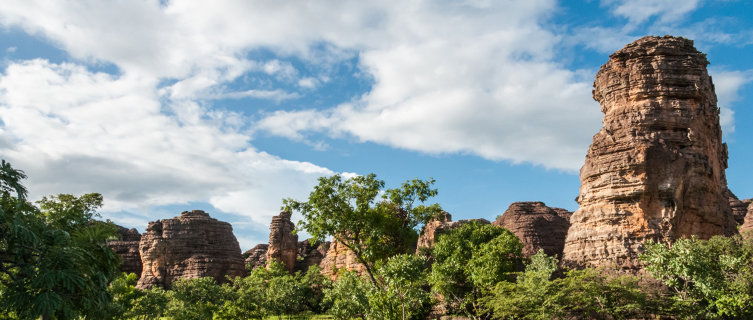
(739, 208)
(283, 243)
(564, 213)
(310, 253)
(193, 245)
(338, 257)
(537, 226)
(656, 170)
(747, 226)
(256, 256)
(128, 249)
(427, 237)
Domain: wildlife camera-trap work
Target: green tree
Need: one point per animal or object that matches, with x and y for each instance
(348, 212)
(314, 283)
(49, 269)
(713, 278)
(195, 299)
(471, 260)
(246, 297)
(348, 296)
(152, 304)
(285, 296)
(400, 294)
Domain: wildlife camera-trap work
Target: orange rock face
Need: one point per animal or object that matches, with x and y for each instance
(193, 245)
(339, 257)
(283, 244)
(428, 233)
(656, 170)
(747, 227)
(539, 227)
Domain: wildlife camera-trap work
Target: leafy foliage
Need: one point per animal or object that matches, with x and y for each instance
(469, 261)
(195, 299)
(348, 296)
(399, 294)
(48, 267)
(349, 212)
(711, 277)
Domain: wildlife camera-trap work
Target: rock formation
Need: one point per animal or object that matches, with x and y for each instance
(564, 213)
(427, 237)
(747, 227)
(537, 226)
(739, 208)
(193, 245)
(283, 244)
(257, 256)
(656, 168)
(128, 249)
(310, 253)
(338, 257)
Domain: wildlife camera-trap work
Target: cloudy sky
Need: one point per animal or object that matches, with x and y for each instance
(231, 105)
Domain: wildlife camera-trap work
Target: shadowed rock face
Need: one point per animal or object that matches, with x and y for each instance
(310, 253)
(283, 244)
(257, 256)
(747, 227)
(128, 249)
(537, 226)
(739, 208)
(427, 237)
(656, 168)
(193, 245)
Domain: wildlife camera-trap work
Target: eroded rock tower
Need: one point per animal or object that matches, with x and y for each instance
(656, 168)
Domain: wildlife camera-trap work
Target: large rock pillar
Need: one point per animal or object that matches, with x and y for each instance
(656, 168)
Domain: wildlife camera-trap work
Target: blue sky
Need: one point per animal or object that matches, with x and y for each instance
(230, 106)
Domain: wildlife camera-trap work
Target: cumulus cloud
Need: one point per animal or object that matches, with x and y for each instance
(638, 11)
(75, 131)
(728, 84)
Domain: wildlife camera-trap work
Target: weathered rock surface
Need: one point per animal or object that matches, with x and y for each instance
(338, 256)
(564, 213)
(739, 208)
(257, 256)
(656, 170)
(427, 237)
(310, 253)
(283, 244)
(747, 227)
(537, 226)
(128, 249)
(193, 245)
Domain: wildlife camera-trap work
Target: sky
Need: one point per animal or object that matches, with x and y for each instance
(229, 106)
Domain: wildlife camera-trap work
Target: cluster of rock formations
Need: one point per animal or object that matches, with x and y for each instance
(655, 171)
(193, 245)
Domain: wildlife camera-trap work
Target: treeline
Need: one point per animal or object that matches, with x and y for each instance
(56, 265)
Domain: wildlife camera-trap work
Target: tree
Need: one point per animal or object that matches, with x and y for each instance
(348, 296)
(152, 304)
(400, 293)
(710, 277)
(471, 260)
(51, 269)
(195, 299)
(348, 212)
(246, 297)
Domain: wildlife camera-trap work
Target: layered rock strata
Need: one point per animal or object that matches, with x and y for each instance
(337, 257)
(739, 208)
(747, 226)
(656, 170)
(257, 256)
(427, 237)
(539, 227)
(193, 245)
(283, 243)
(128, 249)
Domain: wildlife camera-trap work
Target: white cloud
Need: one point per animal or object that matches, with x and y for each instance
(728, 84)
(74, 131)
(10, 49)
(638, 11)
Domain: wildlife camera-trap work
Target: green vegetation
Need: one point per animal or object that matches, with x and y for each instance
(55, 264)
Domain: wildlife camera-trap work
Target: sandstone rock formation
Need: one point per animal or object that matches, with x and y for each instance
(128, 249)
(283, 244)
(739, 208)
(257, 256)
(338, 257)
(537, 226)
(656, 168)
(747, 227)
(564, 213)
(427, 237)
(193, 245)
(310, 253)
